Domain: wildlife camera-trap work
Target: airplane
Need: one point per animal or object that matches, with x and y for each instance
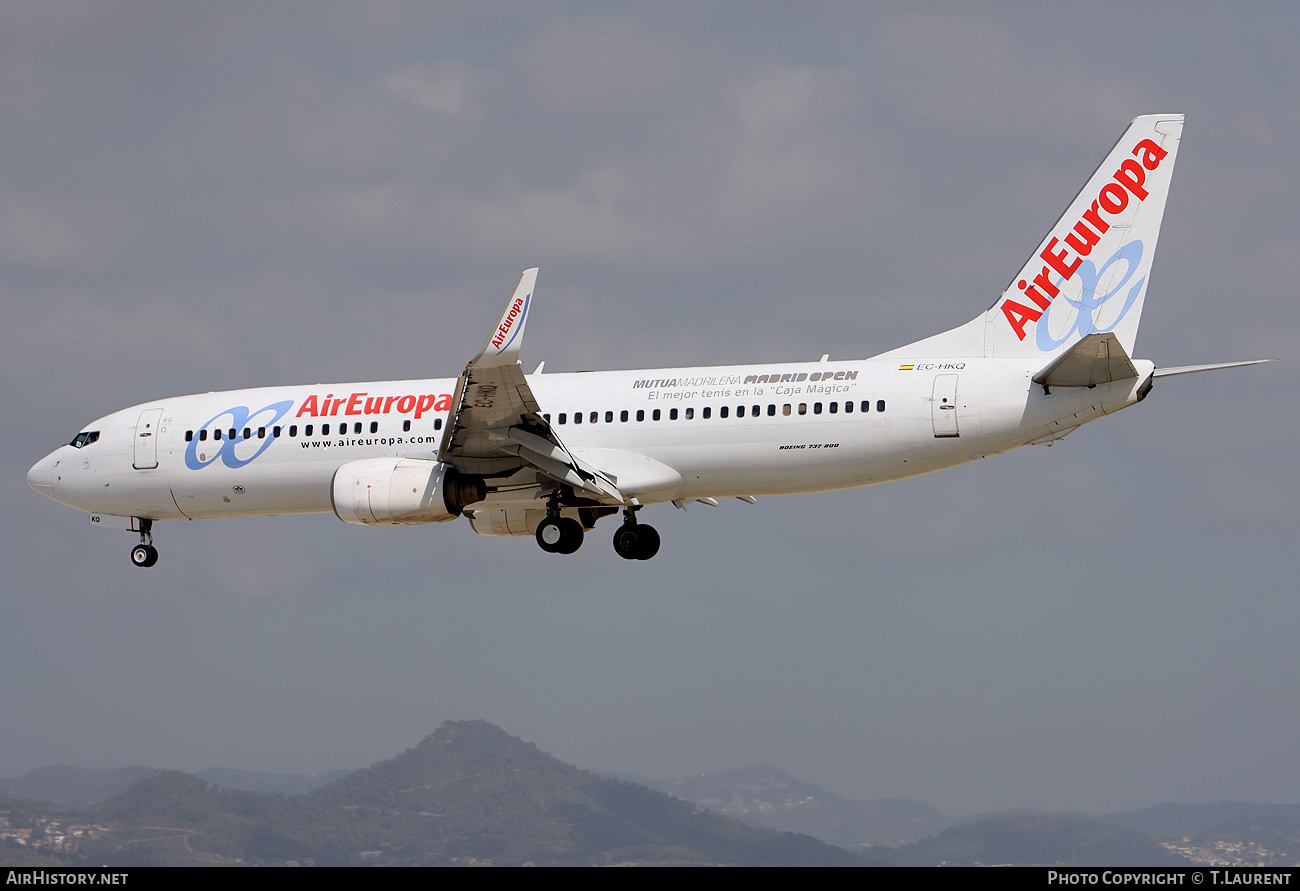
(547, 455)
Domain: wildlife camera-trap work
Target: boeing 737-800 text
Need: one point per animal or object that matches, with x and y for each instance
(548, 455)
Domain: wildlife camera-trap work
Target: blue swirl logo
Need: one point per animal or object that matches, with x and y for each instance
(1090, 301)
(240, 417)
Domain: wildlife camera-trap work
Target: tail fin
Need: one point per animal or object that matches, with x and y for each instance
(1089, 274)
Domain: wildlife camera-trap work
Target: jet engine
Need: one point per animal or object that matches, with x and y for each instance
(401, 491)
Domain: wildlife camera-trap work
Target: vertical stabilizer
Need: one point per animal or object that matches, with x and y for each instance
(1090, 272)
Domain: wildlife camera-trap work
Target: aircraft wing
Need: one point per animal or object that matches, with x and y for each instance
(496, 425)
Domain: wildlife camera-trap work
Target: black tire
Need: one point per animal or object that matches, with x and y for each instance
(550, 535)
(570, 535)
(647, 541)
(627, 541)
(143, 555)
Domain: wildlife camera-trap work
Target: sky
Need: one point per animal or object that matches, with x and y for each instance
(218, 196)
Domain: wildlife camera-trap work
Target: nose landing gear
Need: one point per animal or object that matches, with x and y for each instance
(145, 554)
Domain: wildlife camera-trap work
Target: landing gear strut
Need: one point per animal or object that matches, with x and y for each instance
(633, 540)
(145, 554)
(557, 534)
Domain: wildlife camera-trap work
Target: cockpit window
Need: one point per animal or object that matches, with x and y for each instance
(84, 439)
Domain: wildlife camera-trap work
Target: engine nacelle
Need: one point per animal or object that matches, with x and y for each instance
(401, 491)
(520, 521)
(512, 521)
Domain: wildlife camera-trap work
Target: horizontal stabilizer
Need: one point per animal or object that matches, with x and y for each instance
(1192, 369)
(1097, 359)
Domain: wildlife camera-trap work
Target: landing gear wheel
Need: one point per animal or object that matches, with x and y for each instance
(648, 537)
(571, 535)
(144, 555)
(559, 535)
(636, 541)
(549, 535)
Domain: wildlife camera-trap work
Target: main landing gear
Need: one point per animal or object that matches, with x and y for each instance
(557, 534)
(633, 540)
(145, 554)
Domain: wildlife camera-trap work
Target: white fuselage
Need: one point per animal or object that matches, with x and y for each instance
(726, 431)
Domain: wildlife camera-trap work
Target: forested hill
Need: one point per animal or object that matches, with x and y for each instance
(468, 794)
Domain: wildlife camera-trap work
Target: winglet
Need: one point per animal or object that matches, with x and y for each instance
(502, 347)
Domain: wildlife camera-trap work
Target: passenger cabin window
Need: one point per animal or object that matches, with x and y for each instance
(880, 405)
(374, 427)
(293, 429)
(406, 426)
(622, 416)
(189, 435)
(437, 423)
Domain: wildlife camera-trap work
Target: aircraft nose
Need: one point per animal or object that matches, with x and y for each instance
(41, 477)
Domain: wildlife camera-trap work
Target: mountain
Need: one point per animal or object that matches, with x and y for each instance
(1035, 840)
(469, 794)
(72, 788)
(766, 796)
(1189, 820)
(488, 795)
